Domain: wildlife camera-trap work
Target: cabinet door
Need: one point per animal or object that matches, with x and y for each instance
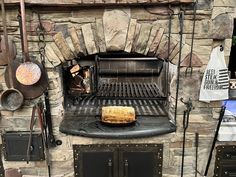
(140, 161)
(95, 162)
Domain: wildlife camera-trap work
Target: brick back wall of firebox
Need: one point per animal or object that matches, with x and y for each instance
(202, 119)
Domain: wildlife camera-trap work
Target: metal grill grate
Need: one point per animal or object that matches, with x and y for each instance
(129, 90)
(92, 106)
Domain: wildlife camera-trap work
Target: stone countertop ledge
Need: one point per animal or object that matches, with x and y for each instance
(93, 2)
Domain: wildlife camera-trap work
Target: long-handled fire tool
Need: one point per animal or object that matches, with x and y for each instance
(222, 112)
(189, 107)
(196, 153)
(43, 127)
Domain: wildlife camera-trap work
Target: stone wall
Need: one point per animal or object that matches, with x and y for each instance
(73, 30)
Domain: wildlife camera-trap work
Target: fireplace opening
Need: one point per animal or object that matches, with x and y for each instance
(97, 81)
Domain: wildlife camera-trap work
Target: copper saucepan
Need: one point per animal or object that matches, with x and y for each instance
(11, 99)
(28, 73)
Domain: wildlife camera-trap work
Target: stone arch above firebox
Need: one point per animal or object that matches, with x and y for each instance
(116, 31)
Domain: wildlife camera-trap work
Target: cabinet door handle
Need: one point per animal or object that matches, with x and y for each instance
(110, 167)
(126, 166)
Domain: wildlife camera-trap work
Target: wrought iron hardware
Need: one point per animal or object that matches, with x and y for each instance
(118, 160)
(110, 167)
(126, 164)
(225, 163)
(15, 146)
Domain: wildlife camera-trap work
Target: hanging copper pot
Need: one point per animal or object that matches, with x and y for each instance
(11, 99)
(29, 72)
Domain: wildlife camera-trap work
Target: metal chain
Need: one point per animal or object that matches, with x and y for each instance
(40, 30)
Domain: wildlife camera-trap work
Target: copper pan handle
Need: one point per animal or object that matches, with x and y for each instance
(25, 43)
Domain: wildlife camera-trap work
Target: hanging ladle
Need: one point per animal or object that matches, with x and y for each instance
(11, 99)
(28, 73)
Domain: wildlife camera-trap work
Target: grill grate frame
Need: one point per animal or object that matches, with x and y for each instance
(126, 90)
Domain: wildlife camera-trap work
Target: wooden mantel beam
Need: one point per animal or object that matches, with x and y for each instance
(97, 2)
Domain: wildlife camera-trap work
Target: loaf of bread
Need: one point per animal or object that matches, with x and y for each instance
(118, 114)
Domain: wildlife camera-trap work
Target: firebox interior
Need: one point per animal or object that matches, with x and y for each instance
(117, 80)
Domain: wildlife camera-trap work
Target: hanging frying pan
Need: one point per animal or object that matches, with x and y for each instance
(27, 73)
(11, 99)
(28, 91)
(12, 51)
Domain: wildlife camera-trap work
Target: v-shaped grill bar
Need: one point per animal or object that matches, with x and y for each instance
(130, 91)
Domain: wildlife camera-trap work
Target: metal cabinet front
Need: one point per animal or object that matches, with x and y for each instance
(225, 164)
(140, 160)
(95, 161)
(118, 160)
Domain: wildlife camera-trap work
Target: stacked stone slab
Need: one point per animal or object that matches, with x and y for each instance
(117, 31)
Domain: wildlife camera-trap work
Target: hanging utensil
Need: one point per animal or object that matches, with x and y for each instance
(196, 153)
(222, 113)
(12, 51)
(28, 91)
(11, 99)
(189, 107)
(28, 73)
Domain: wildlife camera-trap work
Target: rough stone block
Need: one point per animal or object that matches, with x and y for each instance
(63, 46)
(70, 44)
(100, 35)
(221, 10)
(222, 27)
(136, 33)
(62, 28)
(142, 39)
(225, 3)
(115, 23)
(204, 5)
(195, 61)
(82, 42)
(151, 38)
(51, 56)
(131, 1)
(75, 40)
(89, 39)
(88, 1)
(130, 35)
(57, 51)
(156, 42)
(162, 51)
(184, 52)
(47, 25)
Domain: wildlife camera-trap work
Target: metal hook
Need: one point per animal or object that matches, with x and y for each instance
(188, 104)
